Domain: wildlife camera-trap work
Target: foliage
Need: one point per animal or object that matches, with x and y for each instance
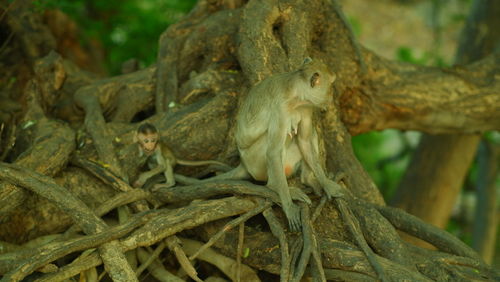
(385, 156)
(126, 29)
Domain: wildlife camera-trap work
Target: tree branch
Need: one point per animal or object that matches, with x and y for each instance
(115, 261)
(462, 99)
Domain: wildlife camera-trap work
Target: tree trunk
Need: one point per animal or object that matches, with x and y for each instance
(440, 164)
(206, 62)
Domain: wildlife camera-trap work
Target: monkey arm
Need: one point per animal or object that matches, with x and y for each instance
(169, 173)
(143, 177)
(307, 141)
(276, 137)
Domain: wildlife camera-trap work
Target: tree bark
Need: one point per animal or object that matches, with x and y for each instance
(205, 64)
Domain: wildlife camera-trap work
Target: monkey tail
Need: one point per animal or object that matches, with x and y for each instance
(222, 166)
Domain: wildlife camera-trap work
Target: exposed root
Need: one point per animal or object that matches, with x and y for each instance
(154, 255)
(156, 268)
(174, 244)
(239, 252)
(353, 226)
(429, 233)
(279, 233)
(233, 223)
(300, 267)
(227, 265)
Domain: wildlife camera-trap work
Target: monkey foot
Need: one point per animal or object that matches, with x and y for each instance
(292, 212)
(298, 194)
(333, 190)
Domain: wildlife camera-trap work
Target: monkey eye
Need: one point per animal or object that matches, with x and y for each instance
(315, 79)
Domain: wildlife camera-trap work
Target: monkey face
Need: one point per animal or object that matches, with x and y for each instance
(148, 142)
(318, 80)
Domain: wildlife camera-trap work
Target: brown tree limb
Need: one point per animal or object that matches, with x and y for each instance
(166, 223)
(437, 237)
(32, 259)
(336, 254)
(56, 138)
(278, 232)
(95, 125)
(153, 256)
(307, 245)
(109, 178)
(156, 269)
(353, 224)
(239, 252)
(44, 186)
(57, 141)
(225, 264)
(174, 245)
(112, 203)
(230, 225)
(461, 99)
(210, 189)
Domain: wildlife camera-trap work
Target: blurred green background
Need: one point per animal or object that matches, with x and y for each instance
(125, 28)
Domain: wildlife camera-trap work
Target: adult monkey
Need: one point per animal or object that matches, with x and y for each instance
(276, 137)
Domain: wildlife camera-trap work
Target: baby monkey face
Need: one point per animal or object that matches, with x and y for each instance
(148, 142)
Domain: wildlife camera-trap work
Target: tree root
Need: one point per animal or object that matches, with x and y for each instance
(233, 223)
(227, 265)
(354, 228)
(174, 244)
(156, 268)
(153, 256)
(161, 224)
(429, 233)
(278, 231)
(90, 223)
(155, 226)
(29, 260)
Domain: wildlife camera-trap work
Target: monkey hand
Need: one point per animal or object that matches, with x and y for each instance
(292, 213)
(298, 194)
(333, 189)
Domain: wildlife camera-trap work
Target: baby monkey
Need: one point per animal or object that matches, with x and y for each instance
(160, 158)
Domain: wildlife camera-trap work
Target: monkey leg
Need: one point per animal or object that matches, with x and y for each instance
(292, 212)
(332, 189)
(307, 177)
(299, 195)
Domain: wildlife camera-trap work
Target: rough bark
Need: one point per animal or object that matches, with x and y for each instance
(205, 63)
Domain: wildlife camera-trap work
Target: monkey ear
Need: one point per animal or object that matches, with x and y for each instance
(307, 60)
(315, 79)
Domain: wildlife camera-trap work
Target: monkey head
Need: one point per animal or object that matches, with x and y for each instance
(147, 137)
(316, 83)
